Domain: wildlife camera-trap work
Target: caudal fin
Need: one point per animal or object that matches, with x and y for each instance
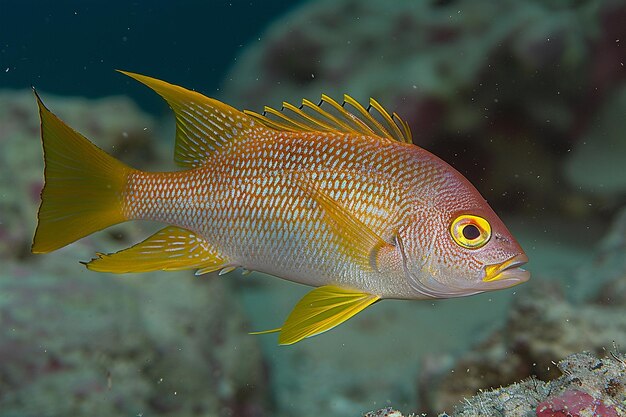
(83, 186)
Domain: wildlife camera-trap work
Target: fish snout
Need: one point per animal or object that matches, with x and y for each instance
(507, 274)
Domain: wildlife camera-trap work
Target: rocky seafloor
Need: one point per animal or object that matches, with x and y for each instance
(73, 342)
(589, 387)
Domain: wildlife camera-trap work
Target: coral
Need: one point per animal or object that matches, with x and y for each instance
(574, 403)
(588, 387)
(385, 412)
(475, 81)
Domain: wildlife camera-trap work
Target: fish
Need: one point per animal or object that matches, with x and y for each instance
(331, 195)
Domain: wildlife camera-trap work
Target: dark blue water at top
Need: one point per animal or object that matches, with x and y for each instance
(72, 47)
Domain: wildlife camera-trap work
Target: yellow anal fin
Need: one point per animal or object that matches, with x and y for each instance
(321, 310)
(310, 117)
(355, 238)
(203, 125)
(276, 330)
(170, 249)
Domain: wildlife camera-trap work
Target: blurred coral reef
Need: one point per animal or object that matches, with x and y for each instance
(77, 343)
(508, 92)
(588, 387)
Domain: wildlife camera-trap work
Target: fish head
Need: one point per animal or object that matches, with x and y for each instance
(453, 247)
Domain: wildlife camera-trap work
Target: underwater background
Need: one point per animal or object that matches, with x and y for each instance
(527, 99)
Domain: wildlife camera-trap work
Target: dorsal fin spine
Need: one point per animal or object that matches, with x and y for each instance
(376, 124)
(311, 117)
(340, 125)
(268, 122)
(323, 126)
(390, 124)
(284, 119)
(407, 137)
(356, 122)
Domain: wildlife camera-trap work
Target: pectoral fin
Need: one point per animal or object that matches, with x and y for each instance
(356, 239)
(170, 249)
(321, 310)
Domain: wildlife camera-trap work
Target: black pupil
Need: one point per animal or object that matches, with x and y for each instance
(471, 232)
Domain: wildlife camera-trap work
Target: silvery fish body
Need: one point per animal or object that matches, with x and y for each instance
(334, 199)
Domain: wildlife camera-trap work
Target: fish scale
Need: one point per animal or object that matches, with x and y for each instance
(336, 199)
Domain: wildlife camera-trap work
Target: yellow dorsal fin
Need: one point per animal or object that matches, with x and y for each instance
(169, 249)
(356, 239)
(310, 117)
(203, 125)
(321, 310)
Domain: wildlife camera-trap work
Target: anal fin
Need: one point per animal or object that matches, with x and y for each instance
(321, 310)
(169, 249)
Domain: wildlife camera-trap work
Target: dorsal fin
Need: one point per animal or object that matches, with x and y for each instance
(309, 117)
(203, 125)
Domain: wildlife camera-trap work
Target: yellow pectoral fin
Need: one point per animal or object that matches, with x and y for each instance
(321, 310)
(356, 239)
(170, 249)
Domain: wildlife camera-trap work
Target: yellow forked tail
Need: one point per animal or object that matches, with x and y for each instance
(83, 186)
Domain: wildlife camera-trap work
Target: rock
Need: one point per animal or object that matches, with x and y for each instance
(588, 386)
(75, 343)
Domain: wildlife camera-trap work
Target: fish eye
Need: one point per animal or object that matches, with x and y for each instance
(469, 231)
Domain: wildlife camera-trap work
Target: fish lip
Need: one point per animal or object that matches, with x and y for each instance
(508, 272)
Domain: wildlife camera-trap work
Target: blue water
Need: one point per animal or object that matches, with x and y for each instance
(72, 47)
(525, 98)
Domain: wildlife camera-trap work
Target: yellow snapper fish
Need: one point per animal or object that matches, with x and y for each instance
(330, 195)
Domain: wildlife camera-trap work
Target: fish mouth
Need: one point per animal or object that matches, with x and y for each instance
(507, 273)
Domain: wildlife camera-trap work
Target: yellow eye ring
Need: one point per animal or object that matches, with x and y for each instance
(471, 232)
